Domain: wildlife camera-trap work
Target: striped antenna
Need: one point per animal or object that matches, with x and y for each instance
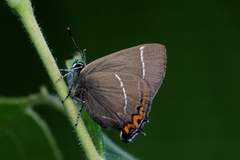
(82, 53)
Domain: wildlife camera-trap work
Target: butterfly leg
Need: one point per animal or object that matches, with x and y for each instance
(79, 112)
(66, 97)
(70, 89)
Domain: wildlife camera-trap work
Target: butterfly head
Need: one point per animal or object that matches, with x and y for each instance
(73, 73)
(77, 66)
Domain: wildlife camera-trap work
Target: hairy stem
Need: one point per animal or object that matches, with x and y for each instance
(24, 10)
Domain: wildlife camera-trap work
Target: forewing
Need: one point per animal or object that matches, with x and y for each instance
(112, 99)
(148, 61)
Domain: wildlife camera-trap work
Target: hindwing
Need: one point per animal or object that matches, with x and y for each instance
(112, 99)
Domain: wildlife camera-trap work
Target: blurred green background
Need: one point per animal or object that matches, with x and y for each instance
(195, 114)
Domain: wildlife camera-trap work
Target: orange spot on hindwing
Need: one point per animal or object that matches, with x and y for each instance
(133, 128)
(137, 120)
(140, 111)
(128, 128)
(143, 100)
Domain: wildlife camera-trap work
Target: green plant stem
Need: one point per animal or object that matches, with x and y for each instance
(25, 12)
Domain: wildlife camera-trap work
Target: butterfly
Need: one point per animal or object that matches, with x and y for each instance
(117, 90)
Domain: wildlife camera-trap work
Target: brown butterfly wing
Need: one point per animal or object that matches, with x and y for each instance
(113, 98)
(147, 61)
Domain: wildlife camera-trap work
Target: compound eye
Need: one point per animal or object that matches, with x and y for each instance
(77, 66)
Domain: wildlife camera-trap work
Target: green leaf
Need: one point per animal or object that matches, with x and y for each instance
(23, 134)
(112, 151)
